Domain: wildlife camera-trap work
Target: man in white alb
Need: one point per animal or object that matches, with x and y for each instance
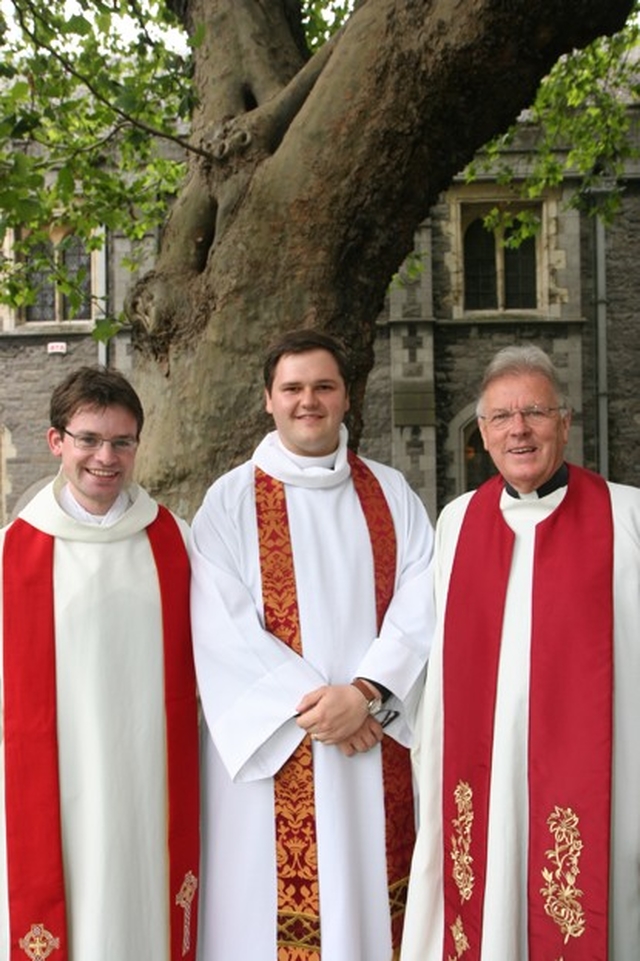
(312, 615)
(529, 768)
(99, 757)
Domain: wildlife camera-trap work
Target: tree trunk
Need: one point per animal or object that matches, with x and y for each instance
(311, 178)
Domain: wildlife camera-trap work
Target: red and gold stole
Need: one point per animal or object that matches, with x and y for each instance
(296, 851)
(37, 910)
(570, 720)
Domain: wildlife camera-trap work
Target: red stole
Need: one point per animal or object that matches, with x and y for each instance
(37, 910)
(570, 722)
(298, 893)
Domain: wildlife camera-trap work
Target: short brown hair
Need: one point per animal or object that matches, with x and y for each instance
(94, 387)
(300, 342)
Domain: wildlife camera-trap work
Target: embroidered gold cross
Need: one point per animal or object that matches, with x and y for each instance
(184, 897)
(39, 943)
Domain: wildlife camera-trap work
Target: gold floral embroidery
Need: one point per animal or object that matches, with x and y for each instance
(460, 939)
(298, 918)
(461, 841)
(561, 896)
(184, 897)
(39, 943)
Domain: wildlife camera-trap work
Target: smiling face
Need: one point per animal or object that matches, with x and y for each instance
(526, 454)
(308, 400)
(96, 477)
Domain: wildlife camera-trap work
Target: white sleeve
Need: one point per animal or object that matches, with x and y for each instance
(397, 658)
(249, 681)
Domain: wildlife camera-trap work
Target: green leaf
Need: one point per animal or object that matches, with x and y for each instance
(18, 91)
(106, 328)
(80, 25)
(66, 181)
(26, 210)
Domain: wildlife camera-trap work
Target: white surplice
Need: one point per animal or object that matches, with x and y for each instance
(111, 733)
(505, 907)
(250, 683)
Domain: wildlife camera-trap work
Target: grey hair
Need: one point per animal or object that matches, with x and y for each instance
(522, 359)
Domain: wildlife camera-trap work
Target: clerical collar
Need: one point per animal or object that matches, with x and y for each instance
(72, 506)
(559, 479)
(304, 462)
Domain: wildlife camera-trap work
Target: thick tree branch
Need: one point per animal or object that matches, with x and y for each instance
(334, 173)
(233, 148)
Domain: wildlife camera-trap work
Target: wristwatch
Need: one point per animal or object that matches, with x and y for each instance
(374, 702)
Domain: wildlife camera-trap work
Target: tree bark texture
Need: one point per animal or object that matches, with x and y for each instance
(311, 177)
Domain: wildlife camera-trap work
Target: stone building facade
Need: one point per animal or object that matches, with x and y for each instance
(574, 291)
(580, 304)
(37, 350)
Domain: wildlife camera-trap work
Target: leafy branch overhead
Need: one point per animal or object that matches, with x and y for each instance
(95, 111)
(101, 126)
(79, 132)
(583, 122)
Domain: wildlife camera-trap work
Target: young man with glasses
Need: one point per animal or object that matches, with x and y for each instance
(99, 714)
(312, 624)
(529, 770)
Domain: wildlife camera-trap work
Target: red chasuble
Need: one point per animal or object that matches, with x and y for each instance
(37, 910)
(570, 720)
(298, 891)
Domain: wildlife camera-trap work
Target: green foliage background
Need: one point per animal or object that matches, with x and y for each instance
(87, 110)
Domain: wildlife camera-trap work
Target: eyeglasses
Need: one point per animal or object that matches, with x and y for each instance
(501, 419)
(86, 441)
(386, 716)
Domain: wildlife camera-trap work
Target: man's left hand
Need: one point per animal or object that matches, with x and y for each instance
(333, 713)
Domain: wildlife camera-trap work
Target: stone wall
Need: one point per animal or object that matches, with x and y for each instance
(28, 375)
(622, 309)
(376, 439)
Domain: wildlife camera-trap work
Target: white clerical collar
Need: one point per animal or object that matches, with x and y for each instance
(327, 461)
(520, 512)
(556, 481)
(71, 506)
(274, 459)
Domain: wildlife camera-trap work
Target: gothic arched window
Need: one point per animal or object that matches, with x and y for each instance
(480, 278)
(498, 275)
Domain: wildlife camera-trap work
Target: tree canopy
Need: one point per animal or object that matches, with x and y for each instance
(95, 103)
(84, 144)
(584, 124)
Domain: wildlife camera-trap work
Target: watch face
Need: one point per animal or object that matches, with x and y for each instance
(375, 705)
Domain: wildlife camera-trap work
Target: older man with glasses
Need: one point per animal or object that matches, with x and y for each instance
(99, 717)
(529, 770)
